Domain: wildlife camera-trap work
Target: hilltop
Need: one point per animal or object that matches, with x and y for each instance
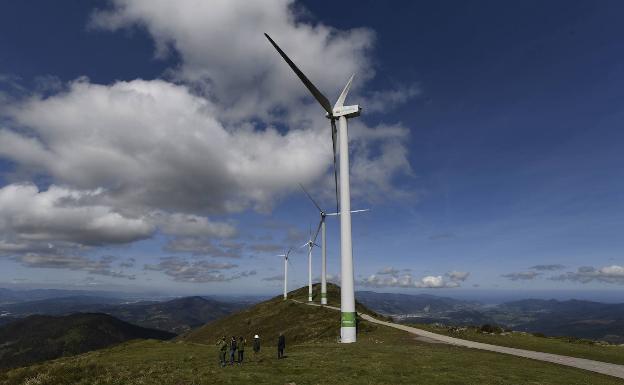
(382, 355)
(267, 319)
(38, 338)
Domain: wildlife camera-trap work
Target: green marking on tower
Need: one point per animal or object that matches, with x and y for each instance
(348, 319)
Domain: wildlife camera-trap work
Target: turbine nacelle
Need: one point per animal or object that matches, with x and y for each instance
(346, 111)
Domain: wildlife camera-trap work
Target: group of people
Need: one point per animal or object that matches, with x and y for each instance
(237, 348)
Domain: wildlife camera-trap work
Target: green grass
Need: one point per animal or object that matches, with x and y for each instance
(385, 356)
(605, 353)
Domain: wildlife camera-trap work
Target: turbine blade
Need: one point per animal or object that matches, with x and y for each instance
(323, 101)
(343, 94)
(352, 211)
(333, 128)
(304, 245)
(310, 197)
(318, 228)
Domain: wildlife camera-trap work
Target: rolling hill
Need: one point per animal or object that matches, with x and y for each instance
(382, 355)
(39, 338)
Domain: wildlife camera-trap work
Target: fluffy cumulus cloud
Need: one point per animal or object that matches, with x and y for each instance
(61, 214)
(521, 275)
(586, 274)
(197, 271)
(221, 44)
(390, 277)
(232, 129)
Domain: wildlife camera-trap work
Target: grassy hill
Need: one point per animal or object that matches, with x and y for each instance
(298, 323)
(38, 338)
(381, 356)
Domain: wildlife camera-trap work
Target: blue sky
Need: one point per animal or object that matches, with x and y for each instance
(147, 146)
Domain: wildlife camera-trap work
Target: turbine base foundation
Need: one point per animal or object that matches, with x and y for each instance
(323, 301)
(310, 299)
(347, 335)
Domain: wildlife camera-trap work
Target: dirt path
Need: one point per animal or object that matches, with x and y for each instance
(613, 370)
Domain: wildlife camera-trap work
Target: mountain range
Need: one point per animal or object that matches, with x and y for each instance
(43, 337)
(177, 315)
(576, 318)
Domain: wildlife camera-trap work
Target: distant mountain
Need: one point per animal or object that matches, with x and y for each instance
(8, 296)
(177, 315)
(57, 306)
(573, 318)
(583, 319)
(39, 338)
(392, 303)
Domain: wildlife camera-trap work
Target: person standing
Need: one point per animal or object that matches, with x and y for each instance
(232, 350)
(256, 345)
(222, 350)
(281, 345)
(241, 349)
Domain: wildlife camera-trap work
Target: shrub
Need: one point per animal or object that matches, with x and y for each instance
(487, 328)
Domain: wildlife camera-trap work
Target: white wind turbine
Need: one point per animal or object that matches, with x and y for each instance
(321, 228)
(341, 113)
(285, 271)
(310, 244)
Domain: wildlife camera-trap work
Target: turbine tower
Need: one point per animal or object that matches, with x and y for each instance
(285, 272)
(310, 243)
(341, 113)
(321, 228)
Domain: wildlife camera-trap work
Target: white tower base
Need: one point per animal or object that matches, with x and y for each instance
(347, 335)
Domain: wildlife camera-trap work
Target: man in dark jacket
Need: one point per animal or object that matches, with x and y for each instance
(241, 349)
(256, 344)
(232, 350)
(281, 345)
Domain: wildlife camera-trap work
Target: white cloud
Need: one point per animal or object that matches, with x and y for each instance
(194, 226)
(521, 275)
(457, 276)
(407, 280)
(585, 274)
(221, 44)
(547, 267)
(101, 266)
(388, 270)
(138, 156)
(204, 246)
(154, 144)
(197, 271)
(435, 282)
(63, 214)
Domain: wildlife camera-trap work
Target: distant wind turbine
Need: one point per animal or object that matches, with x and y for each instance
(285, 271)
(341, 113)
(310, 244)
(321, 228)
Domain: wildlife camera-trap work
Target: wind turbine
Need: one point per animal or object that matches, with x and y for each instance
(285, 272)
(310, 243)
(321, 228)
(341, 113)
